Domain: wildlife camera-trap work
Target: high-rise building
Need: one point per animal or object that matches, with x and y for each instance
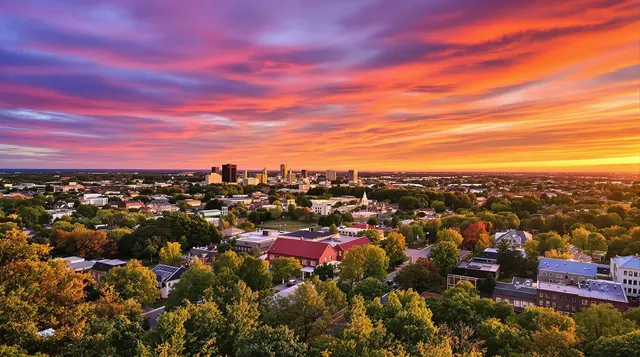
(246, 174)
(229, 173)
(291, 178)
(265, 174)
(353, 175)
(215, 170)
(283, 171)
(332, 175)
(261, 178)
(304, 173)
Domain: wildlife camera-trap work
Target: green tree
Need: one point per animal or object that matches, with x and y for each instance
(133, 281)
(620, 346)
(502, 339)
(364, 261)
(374, 235)
(192, 285)
(267, 341)
(450, 235)
(333, 229)
(324, 271)
(438, 206)
(255, 273)
(284, 268)
(599, 321)
(408, 318)
(420, 276)
(445, 255)
(370, 288)
(229, 260)
(361, 337)
(333, 297)
(171, 254)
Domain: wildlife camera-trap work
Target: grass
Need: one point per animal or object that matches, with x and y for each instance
(290, 225)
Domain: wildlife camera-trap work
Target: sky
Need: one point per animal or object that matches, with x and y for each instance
(407, 85)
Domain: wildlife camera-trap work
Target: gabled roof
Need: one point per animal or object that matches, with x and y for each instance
(299, 248)
(353, 243)
(167, 272)
(629, 262)
(514, 235)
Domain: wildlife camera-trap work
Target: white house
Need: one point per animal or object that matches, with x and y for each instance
(167, 276)
(626, 271)
(515, 238)
(321, 207)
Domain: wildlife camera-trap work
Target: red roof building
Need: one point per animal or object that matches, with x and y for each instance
(343, 248)
(309, 253)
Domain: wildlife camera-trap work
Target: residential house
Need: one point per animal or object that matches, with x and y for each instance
(626, 271)
(342, 247)
(516, 238)
(101, 267)
(167, 277)
(131, 204)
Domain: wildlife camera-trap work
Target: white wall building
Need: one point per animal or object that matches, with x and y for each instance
(626, 271)
(321, 207)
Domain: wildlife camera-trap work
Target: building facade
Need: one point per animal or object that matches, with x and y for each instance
(573, 298)
(353, 175)
(519, 293)
(569, 272)
(473, 272)
(229, 173)
(626, 271)
(332, 175)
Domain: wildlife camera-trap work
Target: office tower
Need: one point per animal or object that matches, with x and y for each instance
(261, 178)
(353, 175)
(305, 173)
(291, 177)
(331, 175)
(245, 174)
(283, 171)
(229, 173)
(264, 173)
(215, 170)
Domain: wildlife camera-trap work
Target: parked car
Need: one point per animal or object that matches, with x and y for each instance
(291, 282)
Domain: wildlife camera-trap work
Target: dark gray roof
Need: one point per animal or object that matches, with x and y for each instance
(511, 290)
(167, 272)
(311, 235)
(107, 264)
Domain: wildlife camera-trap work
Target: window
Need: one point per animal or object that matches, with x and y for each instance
(624, 272)
(584, 302)
(573, 308)
(624, 281)
(559, 276)
(573, 299)
(304, 262)
(544, 273)
(554, 304)
(635, 274)
(547, 295)
(541, 294)
(553, 296)
(635, 282)
(593, 302)
(634, 291)
(540, 302)
(547, 303)
(313, 263)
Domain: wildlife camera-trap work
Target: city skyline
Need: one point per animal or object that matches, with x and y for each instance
(429, 86)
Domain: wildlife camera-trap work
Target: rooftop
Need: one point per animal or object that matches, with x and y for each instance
(309, 235)
(628, 262)
(594, 289)
(471, 265)
(299, 248)
(518, 287)
(167, 272)
(571, 266)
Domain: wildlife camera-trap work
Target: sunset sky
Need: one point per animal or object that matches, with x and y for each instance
(426, 85)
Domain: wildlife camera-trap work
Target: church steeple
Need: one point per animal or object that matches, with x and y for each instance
(364, 201)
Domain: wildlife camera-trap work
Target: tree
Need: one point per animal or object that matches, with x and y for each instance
(360, 336)
(476, 232)
(620, 346)
(420, 276)
(171, 254)
(192, 285)
(395, 246)
(445, 255)
(266, 341)
(333, 229)
(364, 261)
(502, 339)
(15, 247)
(229, 260)
(255, 273)
(409, 203)
(370, 288)
(373, 221)
(438, 206)
(324, 271)
(407, 317)
(374, 235)
(81, 241)
(284, 268)
(132, 281)
(602, 320)
(551, 240)
(450, 235)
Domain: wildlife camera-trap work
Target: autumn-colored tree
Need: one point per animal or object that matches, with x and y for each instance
(132, 281)
(14, 247)
(476, 232)
(451, 235)
(421, 276)
(171, 254)
(83, 242)
(229, 260)
(395, 246)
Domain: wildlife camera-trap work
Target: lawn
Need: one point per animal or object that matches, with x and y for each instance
(286, 224)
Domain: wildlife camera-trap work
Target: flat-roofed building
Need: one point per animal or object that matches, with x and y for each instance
(573, 298)
(261, 239)
(309, 235)
(626, 271)
(519, 293)
(473, 272)
(569, 272)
